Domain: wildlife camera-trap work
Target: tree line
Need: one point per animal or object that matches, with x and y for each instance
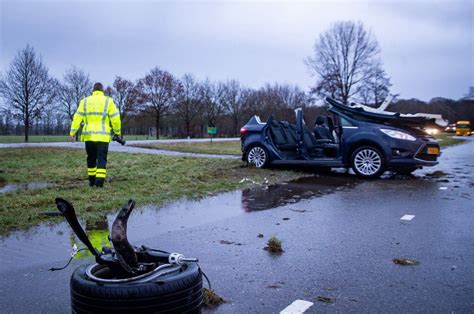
(345, 63)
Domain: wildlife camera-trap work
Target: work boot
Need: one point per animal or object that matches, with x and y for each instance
(99, 182)
(91, 181)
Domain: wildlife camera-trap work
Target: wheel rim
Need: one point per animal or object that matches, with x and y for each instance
(367, 162)
(257, 156)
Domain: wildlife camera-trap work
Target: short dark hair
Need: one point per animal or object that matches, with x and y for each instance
(98, 87)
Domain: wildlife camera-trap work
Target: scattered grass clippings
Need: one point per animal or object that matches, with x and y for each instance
(436, 174)
(405, 261)
(276, 285)
(210, 298)
(274, 245)
(325, 299)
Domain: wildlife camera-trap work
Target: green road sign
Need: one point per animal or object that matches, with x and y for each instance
(211, 130)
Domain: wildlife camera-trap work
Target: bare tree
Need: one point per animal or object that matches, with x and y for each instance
(376, 88)
(75, 85)
(211, 98)
(27, 87)
(158, 92)
(126, 96)
(233, 101)
(343, 60)
(188, 106)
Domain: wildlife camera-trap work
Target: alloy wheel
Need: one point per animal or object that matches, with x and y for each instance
(257, 156)
(367, 162)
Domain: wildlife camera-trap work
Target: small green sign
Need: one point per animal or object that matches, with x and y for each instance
(211, 130)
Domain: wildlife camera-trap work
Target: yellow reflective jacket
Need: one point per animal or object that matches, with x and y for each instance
(100, 116)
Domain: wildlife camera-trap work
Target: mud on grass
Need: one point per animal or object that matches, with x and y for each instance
(149, 179)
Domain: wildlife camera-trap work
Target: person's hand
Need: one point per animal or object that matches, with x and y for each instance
(72, 139)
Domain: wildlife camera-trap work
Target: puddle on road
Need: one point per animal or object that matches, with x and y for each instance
(6, 188)
(47, 242)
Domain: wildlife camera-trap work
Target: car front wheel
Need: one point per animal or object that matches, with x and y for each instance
(258, 156)
(367, 162)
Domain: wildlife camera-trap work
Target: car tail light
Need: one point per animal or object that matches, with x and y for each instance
(243, 131)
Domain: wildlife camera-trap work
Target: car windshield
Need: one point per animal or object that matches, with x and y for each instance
(463, 126)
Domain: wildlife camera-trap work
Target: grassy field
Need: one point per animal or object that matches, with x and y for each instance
(61, 138)
(447, 139)
(149, 179)
(220, 148)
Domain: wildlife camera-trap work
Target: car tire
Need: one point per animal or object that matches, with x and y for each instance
(178, 293)
(257, 155)
(367, 162)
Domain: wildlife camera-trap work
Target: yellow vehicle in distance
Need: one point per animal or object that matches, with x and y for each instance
(463, 128)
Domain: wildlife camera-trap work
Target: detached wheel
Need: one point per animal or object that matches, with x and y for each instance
(178, 292)
(367, 162)
(258, 156)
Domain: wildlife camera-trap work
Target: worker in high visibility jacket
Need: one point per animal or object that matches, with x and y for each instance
(100, 117)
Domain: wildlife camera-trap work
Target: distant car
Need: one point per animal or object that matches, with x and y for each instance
(370, 143)
(463, 128)
(451, 128)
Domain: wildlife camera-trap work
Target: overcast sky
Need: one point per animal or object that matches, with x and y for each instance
(427, 47)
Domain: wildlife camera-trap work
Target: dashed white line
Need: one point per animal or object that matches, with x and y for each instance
(297, 307)
(443, 188)
(407, 217)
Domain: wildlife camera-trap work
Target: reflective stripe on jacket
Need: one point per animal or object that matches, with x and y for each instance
(100, 117)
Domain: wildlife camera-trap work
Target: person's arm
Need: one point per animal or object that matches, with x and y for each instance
(76, 121)
(114, 116)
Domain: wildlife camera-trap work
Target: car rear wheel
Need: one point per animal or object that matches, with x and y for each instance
(258, 156)
(367, 162)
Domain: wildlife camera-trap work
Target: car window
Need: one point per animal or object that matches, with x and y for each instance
(345, 122)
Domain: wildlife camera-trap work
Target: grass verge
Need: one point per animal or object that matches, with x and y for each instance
(220, 148)
(149, 179)
(446, 139)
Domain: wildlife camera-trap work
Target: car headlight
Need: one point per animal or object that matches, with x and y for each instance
(398, 135)
(431, 131)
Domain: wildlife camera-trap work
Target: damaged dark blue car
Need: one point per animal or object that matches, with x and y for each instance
(368, 142)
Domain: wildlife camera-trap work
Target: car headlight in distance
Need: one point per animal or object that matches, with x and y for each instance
(398, 135)
(431, 131)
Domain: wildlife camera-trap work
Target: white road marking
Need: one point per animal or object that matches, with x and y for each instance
(443, 188)
(297, 307)
(407, 217)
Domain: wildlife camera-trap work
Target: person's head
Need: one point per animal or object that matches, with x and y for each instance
(98, 87)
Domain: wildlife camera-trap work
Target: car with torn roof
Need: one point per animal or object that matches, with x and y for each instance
(368, 142)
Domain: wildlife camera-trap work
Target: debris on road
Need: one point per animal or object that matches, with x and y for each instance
(276, 285)
(325, 299)
(405, 261)
(260, 235)
(298, 210)
(274, 245)
(286, 218)
(229, 242)
(211, 299)
(436, 174)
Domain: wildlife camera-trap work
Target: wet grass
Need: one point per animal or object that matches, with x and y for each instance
(149, 179)
(219, 148)
(447, 139)
(5, 139)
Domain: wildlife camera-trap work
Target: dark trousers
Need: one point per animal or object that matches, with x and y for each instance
(96, 162)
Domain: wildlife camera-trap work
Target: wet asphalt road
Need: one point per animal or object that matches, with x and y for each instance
(338, 244)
